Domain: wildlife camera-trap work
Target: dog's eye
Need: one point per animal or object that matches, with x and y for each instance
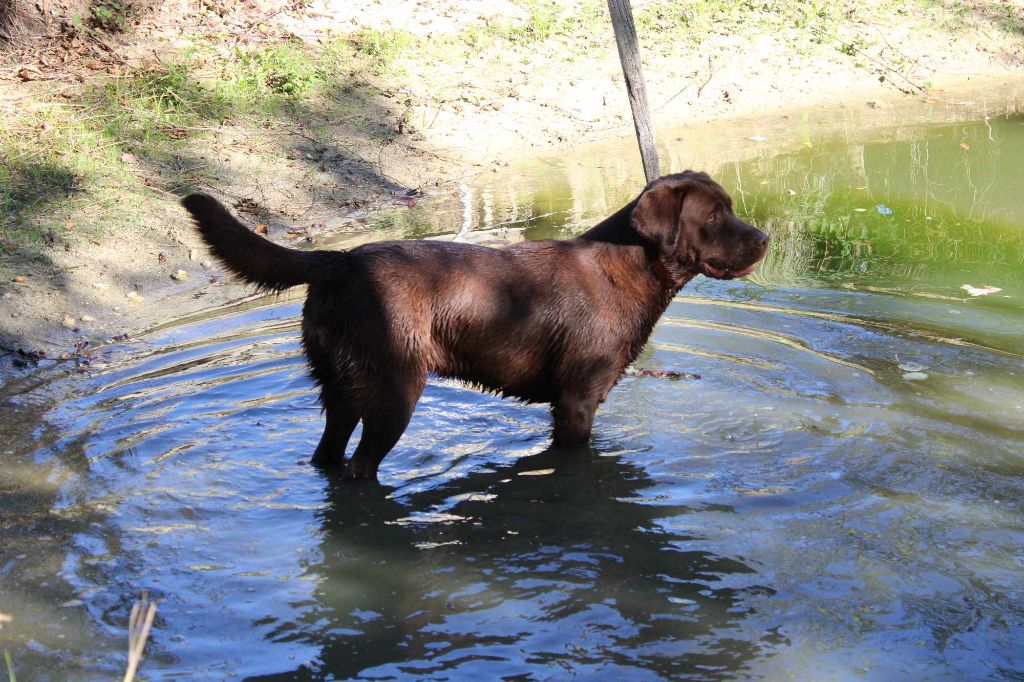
(712, 217)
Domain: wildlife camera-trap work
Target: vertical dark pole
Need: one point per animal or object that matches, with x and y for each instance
(629, 55)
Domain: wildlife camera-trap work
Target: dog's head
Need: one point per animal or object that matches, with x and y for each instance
(686, 219)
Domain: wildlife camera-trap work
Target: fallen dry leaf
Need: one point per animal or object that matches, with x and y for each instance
(28, 72)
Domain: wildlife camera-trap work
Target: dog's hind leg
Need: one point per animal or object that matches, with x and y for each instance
(341, 422)
(384, 421)
(341, 412)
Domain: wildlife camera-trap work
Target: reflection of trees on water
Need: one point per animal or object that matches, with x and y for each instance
(948, 189)
(517, 574)
(951, 189)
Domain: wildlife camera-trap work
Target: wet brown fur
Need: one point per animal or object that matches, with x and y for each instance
(552, 321)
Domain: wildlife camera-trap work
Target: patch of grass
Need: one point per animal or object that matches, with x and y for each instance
(285, 70)
(384, 47)
(957, 16)
(110, 15)
(694, 21)
(154, 111)
(50, 157)
(157, 105)
(104, 16)
(546, 20)
(57, 159)
(27, 185)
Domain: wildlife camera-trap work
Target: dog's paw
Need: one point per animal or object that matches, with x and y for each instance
(326, 462)
(354, 472)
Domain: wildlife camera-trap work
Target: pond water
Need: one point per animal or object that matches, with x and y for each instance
(840, 495)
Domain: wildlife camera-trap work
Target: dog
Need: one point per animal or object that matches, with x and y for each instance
(547, 321)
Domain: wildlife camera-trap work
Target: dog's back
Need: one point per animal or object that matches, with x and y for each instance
(513, 320)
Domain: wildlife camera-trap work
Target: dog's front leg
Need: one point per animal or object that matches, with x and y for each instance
(574, 418)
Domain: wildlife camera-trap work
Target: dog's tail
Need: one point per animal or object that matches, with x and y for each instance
(254, 259)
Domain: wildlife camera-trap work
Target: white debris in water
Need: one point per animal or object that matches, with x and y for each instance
(980, 291)
(915, 376)
(757, 138)
(912, 367)
(537, 472)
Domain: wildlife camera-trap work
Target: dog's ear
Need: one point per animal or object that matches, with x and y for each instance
(656, 215)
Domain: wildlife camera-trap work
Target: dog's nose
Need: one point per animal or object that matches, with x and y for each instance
(758, 238)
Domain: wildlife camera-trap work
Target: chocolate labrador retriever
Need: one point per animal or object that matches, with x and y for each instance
(553, 321)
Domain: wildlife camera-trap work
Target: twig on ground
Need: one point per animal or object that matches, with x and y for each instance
(885, 66)
(711, 74)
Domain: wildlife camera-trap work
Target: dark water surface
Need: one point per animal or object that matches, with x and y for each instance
(840, 496)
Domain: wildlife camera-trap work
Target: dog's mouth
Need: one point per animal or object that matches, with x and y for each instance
(717, 272)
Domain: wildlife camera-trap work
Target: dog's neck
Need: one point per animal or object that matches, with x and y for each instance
(647, 281)
(617, 231)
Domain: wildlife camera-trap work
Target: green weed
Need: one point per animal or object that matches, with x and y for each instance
(546, 20)
(384, 47)
(110, 15)
(285, 70)
(156, 105)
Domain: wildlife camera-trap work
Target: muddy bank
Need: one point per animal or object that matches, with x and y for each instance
(406, 104)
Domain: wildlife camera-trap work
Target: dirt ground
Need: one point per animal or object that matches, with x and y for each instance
(420, 124)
